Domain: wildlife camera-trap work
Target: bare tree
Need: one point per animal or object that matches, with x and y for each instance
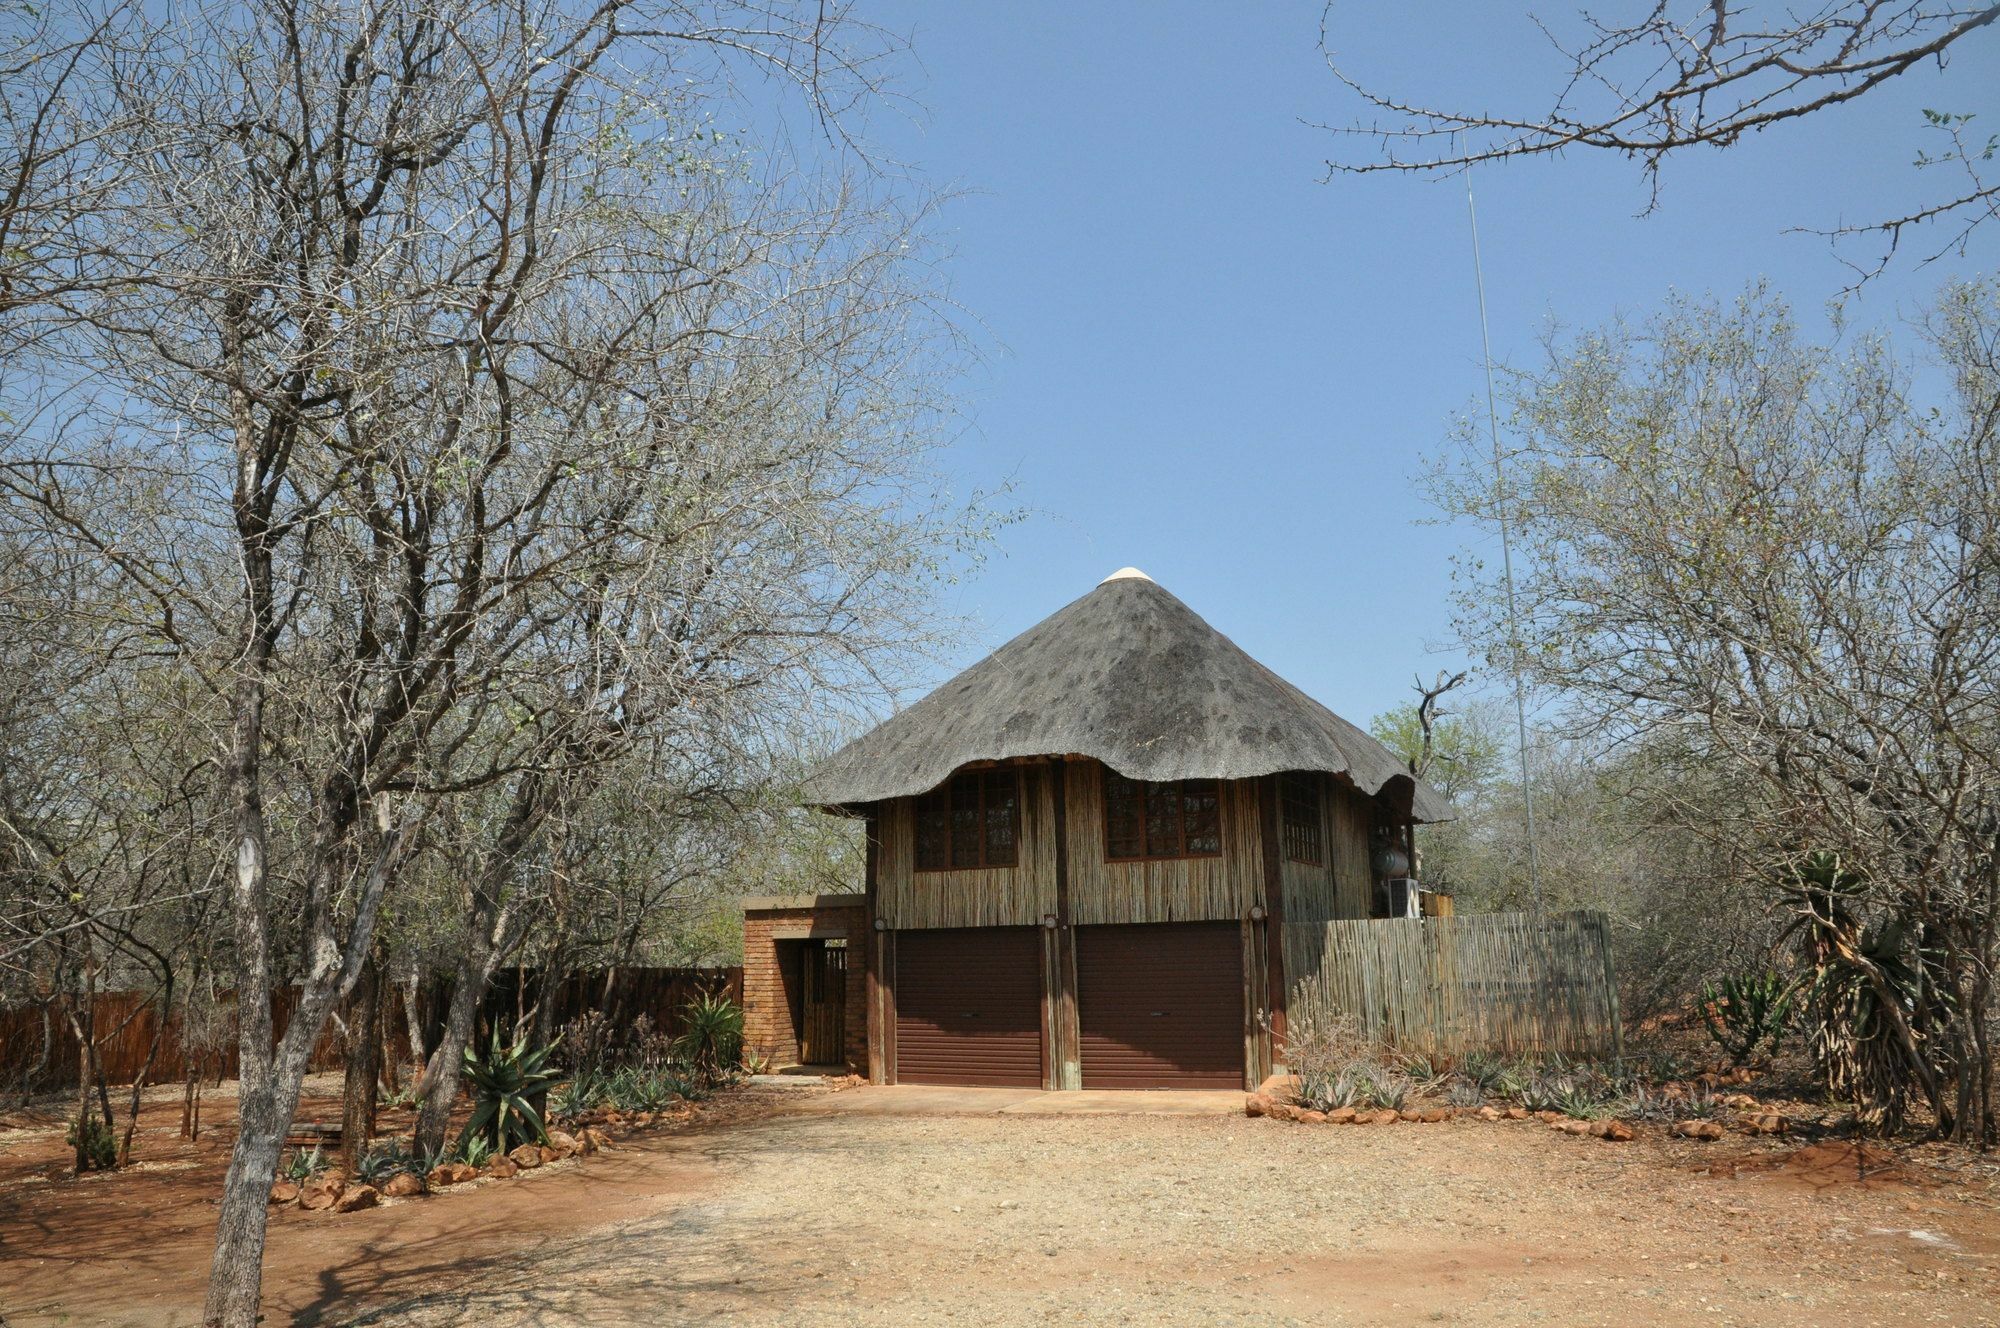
(492, 418)
(1691, 75)
(1775, 562)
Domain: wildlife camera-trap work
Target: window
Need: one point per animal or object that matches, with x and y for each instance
(1298, 798)
(1180, 818)
(973, 821)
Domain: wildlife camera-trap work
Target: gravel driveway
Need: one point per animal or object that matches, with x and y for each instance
(862, 1218)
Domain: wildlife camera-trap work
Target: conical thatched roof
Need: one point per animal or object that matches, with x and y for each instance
(1130, 675)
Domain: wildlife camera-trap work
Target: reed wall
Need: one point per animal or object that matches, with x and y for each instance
(1176, 890)
(981, 897)
(1502, 983)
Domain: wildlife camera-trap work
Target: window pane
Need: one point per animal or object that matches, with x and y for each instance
(1124, 833)
(1163, 821)
(1002, 794)
(965, 821)
(931, 827)
(1201, 808)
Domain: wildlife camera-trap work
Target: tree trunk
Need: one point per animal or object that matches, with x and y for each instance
(486, 940)
(364, 1045)
(413, 1019)
(164, 1009)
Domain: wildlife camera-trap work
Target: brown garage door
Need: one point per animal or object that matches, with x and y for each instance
(1161, 1006)
(969, 1007)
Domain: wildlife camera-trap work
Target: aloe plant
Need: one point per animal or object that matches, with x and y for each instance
(713, 1039)
(1747, 1011)
(504, 1082)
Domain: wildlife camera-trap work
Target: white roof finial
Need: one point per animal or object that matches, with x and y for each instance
(1125, 574)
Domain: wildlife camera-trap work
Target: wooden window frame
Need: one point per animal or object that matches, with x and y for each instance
(1298, 791)
(941, 796)
(1180, 786)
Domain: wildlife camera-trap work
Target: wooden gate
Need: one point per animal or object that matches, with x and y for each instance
(823, 1021)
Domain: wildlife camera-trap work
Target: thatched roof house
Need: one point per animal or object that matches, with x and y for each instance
(1083, 855)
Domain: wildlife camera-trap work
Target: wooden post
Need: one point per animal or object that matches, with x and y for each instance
(1274, 919)
(1062, 1065)
(880, 1067)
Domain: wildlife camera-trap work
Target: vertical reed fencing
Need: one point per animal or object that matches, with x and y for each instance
(1500, 983)
(124, 1022)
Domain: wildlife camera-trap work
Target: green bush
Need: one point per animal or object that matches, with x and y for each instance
(100, 1146)
(504, 1081)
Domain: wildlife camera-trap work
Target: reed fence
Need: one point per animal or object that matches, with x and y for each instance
(123, 1023)
(1502, 983)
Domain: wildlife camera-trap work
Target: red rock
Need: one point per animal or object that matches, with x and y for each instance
(1550, 1116)
(284, 1192)
(1698, 1129)
(1409, 1114)
(1432, 1115)
(1282, 1111)
(353, 1200)
(564, 1144)
(526, 1156)
(1488, 1113)
(550, 1154)
(321, 1191)
(1516, 1113)
(1341, 1116)
(1382, 1117)
(1615, 1132)
(1578, 1127)
(502, 1167)
(1257, 1104)
(403, 1185)
(1311, 1118)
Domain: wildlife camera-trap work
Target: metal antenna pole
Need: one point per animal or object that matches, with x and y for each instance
(1506, 560)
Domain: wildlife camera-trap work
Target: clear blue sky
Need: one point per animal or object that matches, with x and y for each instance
(1207, 362)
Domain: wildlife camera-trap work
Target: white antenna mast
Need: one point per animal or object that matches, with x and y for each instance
(1506, 556)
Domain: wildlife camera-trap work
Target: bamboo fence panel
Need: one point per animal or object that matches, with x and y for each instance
(1498, 983)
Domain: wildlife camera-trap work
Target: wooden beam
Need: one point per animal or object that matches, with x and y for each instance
(1274, 917)
(1065, 1036)
(881, 1028)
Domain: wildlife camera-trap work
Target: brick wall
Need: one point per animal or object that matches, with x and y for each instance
(772, 931)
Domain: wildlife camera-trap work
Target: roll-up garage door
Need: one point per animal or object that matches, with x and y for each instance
(1161, 1005)
(969, 1007)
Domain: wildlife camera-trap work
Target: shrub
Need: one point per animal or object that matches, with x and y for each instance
(99, 1149)
(587, 1041)
(1336, 1067)
(504, 1081)
(1747, 1011)
(713, 1039)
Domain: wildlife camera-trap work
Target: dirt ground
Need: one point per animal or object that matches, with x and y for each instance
(788, 1207)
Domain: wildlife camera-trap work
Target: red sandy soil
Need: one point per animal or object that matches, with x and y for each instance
(757, 1215)
(133, 1246)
